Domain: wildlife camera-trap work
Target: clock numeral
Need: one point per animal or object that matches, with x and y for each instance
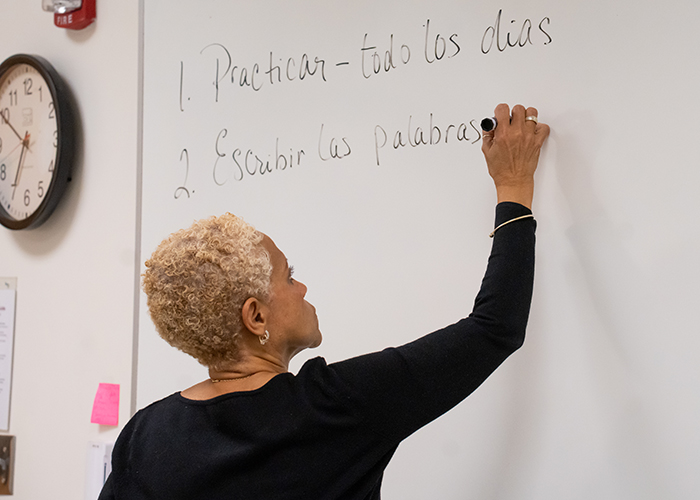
(27, 200)
(0, 144)
(52, 111)
(41, 94)
(51, 166)
(28, 86)
(13, 97)
(40, 189)
(5, 115)
(3, 172)
(55, 138)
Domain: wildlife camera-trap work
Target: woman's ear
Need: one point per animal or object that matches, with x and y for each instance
(254, 316)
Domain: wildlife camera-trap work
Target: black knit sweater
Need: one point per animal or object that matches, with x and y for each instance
(329, 431)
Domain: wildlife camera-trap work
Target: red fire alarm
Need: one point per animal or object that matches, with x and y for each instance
(71, 14)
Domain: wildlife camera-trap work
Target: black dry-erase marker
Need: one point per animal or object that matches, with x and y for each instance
(488, 124)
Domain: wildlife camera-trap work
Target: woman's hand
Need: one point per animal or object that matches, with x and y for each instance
(512, 151)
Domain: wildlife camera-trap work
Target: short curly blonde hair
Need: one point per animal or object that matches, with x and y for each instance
(197, 281)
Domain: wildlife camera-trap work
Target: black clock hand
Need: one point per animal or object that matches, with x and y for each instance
(8, 122)
(25, 143)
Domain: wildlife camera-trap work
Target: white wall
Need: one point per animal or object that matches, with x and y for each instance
(74, 323)
(76, 278)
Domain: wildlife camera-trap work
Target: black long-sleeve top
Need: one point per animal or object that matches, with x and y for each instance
(329, 431)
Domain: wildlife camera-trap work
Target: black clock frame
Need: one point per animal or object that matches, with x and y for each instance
(66, 141)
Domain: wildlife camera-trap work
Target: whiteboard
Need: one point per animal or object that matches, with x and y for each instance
(346, 131)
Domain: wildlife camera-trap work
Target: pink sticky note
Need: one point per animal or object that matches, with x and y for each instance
(105, 409)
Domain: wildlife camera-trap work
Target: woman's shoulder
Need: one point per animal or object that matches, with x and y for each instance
(154, 407)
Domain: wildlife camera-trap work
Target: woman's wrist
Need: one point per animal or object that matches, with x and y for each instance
(521, 193)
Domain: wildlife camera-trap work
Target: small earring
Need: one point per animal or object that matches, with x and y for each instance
(265, 338)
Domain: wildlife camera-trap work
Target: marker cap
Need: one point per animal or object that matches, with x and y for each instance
(488, 124)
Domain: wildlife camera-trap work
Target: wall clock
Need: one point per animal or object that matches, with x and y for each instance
(37, 140)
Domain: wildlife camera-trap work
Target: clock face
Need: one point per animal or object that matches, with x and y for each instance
(28, 141)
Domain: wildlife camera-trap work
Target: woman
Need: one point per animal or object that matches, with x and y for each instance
(224, 293)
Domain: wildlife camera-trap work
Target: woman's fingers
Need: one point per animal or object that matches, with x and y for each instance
(518, 116)
(531, 119)
(486, 141)
(502, 115)
(517, 119)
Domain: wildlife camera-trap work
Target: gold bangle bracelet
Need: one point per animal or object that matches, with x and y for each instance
(508, 222)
